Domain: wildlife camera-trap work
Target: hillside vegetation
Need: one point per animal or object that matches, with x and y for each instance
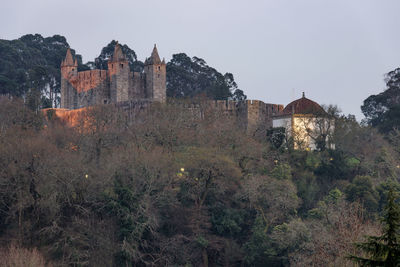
(168, 189)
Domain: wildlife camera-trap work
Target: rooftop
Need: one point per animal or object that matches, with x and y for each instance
(303, 106)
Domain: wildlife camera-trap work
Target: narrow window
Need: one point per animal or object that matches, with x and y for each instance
(122, 65)
(159, 68)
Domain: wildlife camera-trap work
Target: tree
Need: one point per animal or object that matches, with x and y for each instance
(383, 110)
(333, 226)
(316, 129)
(107, 52)
(383, 250)
(33, 62)
(362, 190)
(189, 77)
(276, 136)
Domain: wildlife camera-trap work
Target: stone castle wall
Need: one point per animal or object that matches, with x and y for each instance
(254, 116)
(95, 87)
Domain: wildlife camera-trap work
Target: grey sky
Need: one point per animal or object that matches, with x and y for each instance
(336, 51)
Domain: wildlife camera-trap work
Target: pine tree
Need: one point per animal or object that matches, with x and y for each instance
(383, 250)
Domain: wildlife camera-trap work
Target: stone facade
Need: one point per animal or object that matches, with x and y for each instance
(251, 114)
(117, 84)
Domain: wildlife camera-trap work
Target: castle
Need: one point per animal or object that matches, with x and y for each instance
(115, 85)
(133, 92)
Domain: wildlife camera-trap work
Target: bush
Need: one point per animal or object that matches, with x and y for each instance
(15, 256)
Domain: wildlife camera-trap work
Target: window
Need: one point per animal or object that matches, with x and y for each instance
(159, 68)
(122, 65)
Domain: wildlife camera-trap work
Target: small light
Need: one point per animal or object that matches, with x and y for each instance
(330, 159)
(182, 169)
(86, 176)
(398, 166)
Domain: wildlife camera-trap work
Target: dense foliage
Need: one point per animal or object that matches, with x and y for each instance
(170, 189)
(383, 110)
(188, 77)
(30, 67)
(100, 62)
(384, 250)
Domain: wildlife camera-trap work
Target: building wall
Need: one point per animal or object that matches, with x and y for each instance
(137, 84)
(83, 89)
(95, 87)
(68, 74)
(283, 122)
(305, 129)
(249, 115)
(156, 82)
(260, 114)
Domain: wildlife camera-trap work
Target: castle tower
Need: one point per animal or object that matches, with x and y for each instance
(69, 72)
(156, 77)
(118, 71)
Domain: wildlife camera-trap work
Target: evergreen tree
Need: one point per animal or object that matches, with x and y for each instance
(107, 52)
(383, 250)
(189, 77)
(382, 110)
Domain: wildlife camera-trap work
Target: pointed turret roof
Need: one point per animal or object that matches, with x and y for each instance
(69, 60)
(118, 55)
(154, 58)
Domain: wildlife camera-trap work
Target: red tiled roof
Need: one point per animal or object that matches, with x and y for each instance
(303, 106)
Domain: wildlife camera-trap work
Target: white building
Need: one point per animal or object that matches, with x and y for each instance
(306, 124)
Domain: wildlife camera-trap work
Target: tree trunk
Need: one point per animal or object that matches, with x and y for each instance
(205, 257)
(20, 225)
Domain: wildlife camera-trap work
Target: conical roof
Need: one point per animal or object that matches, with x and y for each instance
(118, 55)
(69, 60)
(303, 106)
(154, 58)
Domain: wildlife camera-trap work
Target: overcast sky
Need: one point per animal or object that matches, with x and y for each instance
(337, 51)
